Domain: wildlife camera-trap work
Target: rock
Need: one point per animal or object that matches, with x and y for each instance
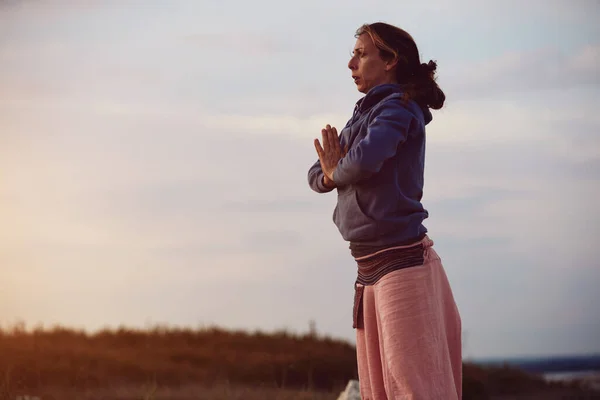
(352, 391)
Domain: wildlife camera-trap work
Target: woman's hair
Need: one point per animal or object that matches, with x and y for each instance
(419, 78)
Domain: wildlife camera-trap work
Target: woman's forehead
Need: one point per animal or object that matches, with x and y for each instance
(363, 42)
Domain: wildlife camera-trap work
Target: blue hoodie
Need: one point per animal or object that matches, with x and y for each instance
(380, 180)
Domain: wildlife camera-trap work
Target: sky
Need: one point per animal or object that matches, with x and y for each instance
(154, 159)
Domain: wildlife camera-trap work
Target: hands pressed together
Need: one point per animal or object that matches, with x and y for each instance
(330, 154)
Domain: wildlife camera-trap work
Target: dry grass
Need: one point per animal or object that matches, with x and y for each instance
(210, 363)
(33, 360)
(187, 392)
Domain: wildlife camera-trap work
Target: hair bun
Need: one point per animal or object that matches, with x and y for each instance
(429, 67)
(427, 70)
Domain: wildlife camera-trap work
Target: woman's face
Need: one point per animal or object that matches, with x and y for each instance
(367, 66)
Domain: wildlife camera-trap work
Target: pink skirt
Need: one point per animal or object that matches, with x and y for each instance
(409, 340)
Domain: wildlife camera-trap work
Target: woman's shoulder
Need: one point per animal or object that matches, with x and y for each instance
(398, 107)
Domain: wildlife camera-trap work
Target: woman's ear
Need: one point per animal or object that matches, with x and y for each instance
(391, 64)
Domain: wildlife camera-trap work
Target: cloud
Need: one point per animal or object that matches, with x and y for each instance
(285, 205)
(273, 240)
(586, 61)
(238, 43)
(516, 72)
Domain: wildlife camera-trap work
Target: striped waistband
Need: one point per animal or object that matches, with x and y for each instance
(374, 267)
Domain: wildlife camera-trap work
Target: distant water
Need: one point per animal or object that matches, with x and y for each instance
(551, 368)
(567, 376)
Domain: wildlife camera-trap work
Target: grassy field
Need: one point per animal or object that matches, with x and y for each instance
(186, 392)
(211, 363)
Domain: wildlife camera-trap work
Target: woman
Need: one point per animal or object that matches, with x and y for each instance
(408, 328)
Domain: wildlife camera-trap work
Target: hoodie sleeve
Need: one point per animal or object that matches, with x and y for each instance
(385, 132)
(315, 179)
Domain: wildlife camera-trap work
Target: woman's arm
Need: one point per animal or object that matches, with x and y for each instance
(317, 179)
(388, 129)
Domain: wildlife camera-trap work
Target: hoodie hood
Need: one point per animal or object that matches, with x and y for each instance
(390, 90)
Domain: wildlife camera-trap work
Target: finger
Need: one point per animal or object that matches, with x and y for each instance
(333, 138)
(319, 149)
(328, 128)
(326, 141)
(334, 142)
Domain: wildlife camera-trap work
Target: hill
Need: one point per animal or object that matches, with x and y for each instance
(280, 365)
